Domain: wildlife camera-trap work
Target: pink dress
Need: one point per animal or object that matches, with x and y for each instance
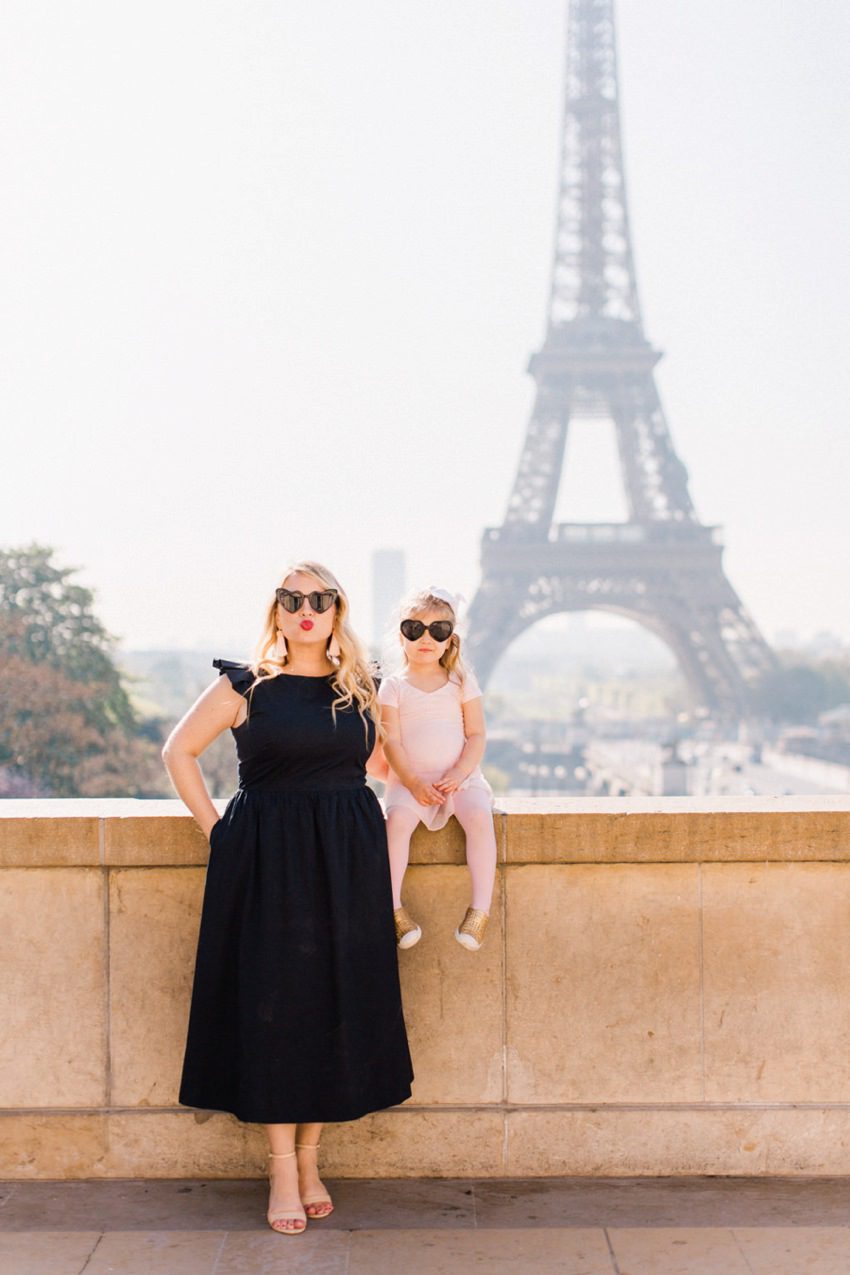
(432, 736)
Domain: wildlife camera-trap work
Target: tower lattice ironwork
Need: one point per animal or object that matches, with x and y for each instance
(662, 567)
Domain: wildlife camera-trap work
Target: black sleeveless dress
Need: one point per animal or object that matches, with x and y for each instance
(296, 1009)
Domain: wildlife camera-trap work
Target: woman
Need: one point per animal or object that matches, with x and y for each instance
(296, 1012)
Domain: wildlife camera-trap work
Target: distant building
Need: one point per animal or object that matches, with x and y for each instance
(835, 724)
(388, 585)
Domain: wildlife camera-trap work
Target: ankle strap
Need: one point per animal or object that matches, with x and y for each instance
(281, 1155)
(308, 1146)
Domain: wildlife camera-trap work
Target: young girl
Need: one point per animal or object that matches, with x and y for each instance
(434, 724)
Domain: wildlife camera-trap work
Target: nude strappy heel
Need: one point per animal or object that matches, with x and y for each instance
(286, 1215)
(322, 1204)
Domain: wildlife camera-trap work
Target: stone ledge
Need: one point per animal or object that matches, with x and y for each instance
(663, 991)
(483, 1143)
(127, 832)
(677, 829)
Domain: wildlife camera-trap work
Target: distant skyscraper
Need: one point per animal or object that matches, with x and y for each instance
(388, 584)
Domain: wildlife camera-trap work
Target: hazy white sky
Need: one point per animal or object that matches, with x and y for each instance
(273, 271)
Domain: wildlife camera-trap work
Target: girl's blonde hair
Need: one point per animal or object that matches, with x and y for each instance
(352, 678)
(423, 600)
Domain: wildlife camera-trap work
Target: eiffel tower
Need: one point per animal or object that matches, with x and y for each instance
(662, 567)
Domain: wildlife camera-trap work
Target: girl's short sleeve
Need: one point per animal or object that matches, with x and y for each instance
(239, 675)
(388, 692)
(471, 689)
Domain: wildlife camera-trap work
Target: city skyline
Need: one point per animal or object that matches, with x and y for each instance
(240, 274)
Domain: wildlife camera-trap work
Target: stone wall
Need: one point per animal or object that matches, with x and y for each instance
(665, 989)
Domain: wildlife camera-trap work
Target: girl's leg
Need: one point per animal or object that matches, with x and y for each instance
(317, 1202)
(400, 825)
(475, 816)
(286, 1212)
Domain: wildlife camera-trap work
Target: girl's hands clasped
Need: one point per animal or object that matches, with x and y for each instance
(450, 781)
(426, 794)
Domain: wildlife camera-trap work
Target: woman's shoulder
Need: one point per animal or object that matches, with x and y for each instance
(241, 676)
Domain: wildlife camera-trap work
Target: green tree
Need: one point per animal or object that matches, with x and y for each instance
(45, 618)
(799, 692)
(66, 720)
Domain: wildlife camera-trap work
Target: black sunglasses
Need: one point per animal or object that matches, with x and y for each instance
(440, 630)
(319, 600)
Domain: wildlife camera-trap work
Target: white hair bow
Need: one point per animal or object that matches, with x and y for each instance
(454, 599)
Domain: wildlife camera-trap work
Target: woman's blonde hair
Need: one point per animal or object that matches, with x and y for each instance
(352, 678)
(423, 600)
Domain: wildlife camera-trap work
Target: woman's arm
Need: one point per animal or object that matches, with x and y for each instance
(377, 765)
(473, 749)
(217, 709)
(425, 794)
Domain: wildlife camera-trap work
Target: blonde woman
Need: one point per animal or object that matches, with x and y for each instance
(433, 722)
(296, 1013)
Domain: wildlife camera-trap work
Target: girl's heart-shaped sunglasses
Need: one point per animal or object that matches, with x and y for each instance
(440, 630)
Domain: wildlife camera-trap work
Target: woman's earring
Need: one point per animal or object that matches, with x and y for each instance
(280, 646)
(334, 651)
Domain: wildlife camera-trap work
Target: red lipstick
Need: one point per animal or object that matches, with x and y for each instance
(306, 624)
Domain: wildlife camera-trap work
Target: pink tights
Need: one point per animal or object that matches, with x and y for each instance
(476, 819)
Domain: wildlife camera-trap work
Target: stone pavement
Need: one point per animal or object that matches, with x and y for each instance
(572, 1226)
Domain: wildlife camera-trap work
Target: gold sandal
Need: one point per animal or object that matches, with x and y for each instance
(286, 1215)
(407, 932)
(322, 1204)
(470, 932)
